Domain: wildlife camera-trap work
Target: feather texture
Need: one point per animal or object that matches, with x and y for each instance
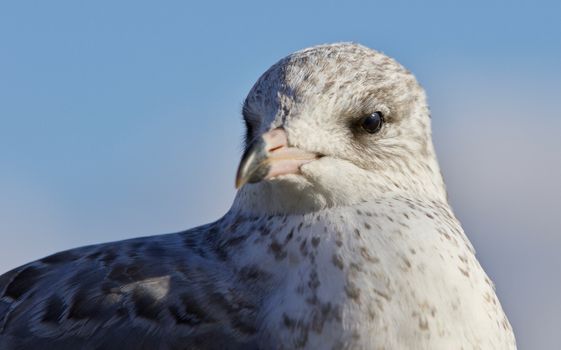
(359, 249)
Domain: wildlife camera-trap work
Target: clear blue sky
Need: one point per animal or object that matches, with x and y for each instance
(121, 118)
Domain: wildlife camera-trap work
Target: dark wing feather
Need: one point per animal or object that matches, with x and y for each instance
(174, 291)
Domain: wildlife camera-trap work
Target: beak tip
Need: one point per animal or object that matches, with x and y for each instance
(241, 179)
(253, 166)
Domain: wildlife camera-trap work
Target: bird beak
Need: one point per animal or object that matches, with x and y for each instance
(269, 156)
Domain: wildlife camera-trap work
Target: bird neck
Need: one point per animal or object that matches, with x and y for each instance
(294, 195)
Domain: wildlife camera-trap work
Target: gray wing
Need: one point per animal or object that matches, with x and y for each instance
(172, 291)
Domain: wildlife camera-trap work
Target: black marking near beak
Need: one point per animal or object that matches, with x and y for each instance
(254, 166)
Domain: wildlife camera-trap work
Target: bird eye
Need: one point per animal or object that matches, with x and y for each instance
(372, 123)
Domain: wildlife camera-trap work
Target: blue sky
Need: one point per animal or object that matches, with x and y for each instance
(120, 119)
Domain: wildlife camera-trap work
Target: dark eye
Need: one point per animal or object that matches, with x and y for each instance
(372, 123)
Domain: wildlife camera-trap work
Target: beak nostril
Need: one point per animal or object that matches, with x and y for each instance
(275, 148)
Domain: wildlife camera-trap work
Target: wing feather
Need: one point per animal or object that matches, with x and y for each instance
(172, 291)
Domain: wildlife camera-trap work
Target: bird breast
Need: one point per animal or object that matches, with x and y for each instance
(383, 272)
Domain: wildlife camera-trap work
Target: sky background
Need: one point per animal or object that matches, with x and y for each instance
(121, 119)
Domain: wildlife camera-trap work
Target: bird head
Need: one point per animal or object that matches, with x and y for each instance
(335, 125)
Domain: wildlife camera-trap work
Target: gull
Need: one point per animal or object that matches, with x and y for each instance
(340, 237)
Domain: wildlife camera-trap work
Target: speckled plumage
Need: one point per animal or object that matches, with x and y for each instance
(359, 251)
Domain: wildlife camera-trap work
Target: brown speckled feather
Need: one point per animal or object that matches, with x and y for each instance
(172, 291)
